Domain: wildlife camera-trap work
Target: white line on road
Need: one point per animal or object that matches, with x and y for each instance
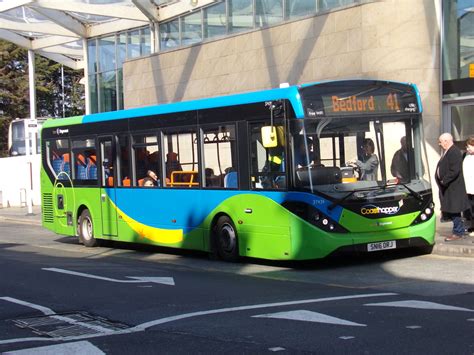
(136, 279)
(45, 310)
(309, 316)
(420, 305)
(144, 326)
(77, 348)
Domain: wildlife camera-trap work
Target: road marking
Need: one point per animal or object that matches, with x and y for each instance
(144, 326)
(45, 310)
(420, 305)
(413, 326)
(347, 337)
(308, 316)
(159, 280)
(147, 325)
(277, 348)
(77, 348)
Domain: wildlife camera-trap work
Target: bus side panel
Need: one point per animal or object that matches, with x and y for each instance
(264, 230)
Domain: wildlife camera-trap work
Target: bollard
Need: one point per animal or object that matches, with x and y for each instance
(1, 199)
(22, 197)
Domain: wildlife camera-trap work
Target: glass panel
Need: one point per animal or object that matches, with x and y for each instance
(94, 99)
(296, 8)
(215, 21)
(133, 44)
(124, 161)
(348, 154)
(122, 49)
(147, 160)
(240, 15)
(120, 89)
(108, 91)
(182, 159)
(191, 29)
(146, 41)
(330, 4)
(268, 166)
(92, 56)
(269, 12)
(107, 53)
(84, 153)
(458, 45)
(220, 159)
(107, 166)
(462, 123)
(59, 158)
(169, 35)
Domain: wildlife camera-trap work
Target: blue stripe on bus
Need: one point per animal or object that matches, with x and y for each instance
(198, 204)
(291, 93)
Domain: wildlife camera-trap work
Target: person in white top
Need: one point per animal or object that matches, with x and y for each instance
(468, 172)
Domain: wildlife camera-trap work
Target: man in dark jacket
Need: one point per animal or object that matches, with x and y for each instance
(452, 191)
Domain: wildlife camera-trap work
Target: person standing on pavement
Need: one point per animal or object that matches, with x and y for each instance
(468, 172)
(452, 190)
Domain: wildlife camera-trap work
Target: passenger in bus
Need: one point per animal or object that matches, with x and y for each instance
(369, 164)
(399, 167)
(211, 179)
(172, 164)
(148, 182)
(302, 151)
(274, 165)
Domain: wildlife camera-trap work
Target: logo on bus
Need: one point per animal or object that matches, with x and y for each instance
(372, 209)
(60, 131)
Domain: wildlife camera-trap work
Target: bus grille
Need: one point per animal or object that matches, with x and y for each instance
(48, 216)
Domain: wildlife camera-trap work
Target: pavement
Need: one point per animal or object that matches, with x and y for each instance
(462, 248)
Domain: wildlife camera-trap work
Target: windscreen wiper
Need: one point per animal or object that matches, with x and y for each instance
(412, 192)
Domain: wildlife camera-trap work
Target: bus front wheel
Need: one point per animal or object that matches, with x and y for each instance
(227, 242)
(86, 229)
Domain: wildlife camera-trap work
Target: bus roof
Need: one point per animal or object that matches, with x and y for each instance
(290, 93)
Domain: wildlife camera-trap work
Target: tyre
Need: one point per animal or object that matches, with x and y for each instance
(86, 229)
(227, 243)
(428, 249)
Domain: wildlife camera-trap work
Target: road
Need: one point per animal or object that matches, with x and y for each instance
(58, 296)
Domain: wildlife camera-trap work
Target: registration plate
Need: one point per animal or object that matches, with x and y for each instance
(389, 244)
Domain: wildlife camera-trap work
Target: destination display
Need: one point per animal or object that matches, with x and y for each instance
(337, 100)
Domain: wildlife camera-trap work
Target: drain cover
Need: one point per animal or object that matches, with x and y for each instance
(69, 325)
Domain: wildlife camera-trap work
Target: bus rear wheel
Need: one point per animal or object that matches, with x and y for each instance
(227, 242)
(86, 229)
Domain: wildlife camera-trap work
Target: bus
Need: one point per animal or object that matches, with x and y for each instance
(274, 174)
(17, 137)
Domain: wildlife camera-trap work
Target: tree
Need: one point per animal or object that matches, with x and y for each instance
(14, 88)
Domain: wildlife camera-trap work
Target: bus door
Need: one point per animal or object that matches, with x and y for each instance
(107, 189)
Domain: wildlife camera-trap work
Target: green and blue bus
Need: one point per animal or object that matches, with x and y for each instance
(277, 174)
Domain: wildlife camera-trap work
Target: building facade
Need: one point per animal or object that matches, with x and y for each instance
(239, 46)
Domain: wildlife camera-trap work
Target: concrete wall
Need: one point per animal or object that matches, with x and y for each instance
(387, 39)
(15, 178)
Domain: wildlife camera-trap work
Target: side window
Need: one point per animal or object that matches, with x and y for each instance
(59, 158)
(108, 162)
(84, 160)
(146, 157)
(267, 165)
(124, 161)
(220, 157)
(181, 158)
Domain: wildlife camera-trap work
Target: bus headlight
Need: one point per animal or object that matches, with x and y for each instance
(423, 217)
(428, 211)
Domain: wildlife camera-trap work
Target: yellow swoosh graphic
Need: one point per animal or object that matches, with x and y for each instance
(158, 235)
